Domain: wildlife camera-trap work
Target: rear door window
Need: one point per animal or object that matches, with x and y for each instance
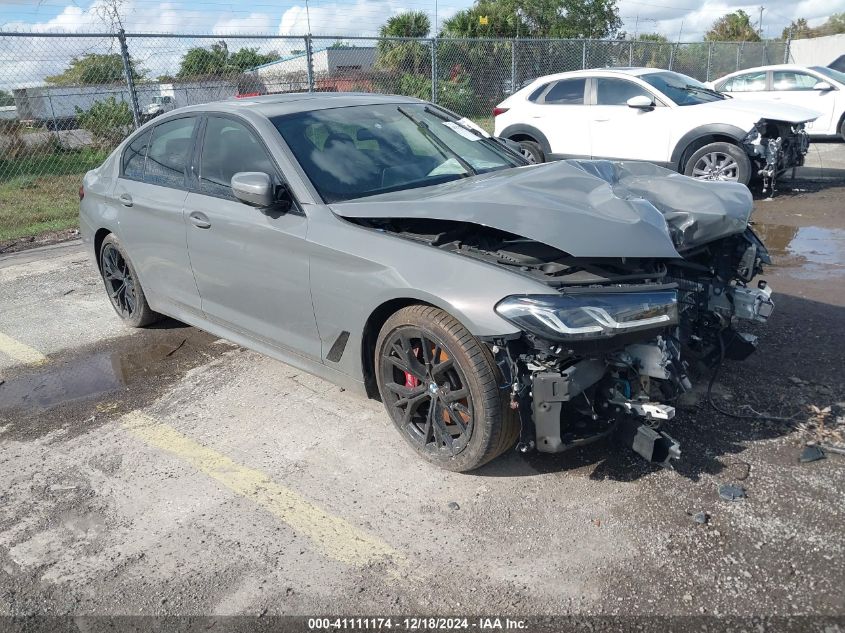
(749, 82)
(134, 156)
(567, 92)
(230, 147)
(169, 152)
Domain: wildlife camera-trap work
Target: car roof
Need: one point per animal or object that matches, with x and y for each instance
(292, 103)
(631, 71)
(769, 67)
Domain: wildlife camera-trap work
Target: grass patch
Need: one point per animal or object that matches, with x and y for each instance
(484, 122)
(39, 193)
(53, 164)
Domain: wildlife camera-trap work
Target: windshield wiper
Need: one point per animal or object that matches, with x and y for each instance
(709, 91)
(423, 127)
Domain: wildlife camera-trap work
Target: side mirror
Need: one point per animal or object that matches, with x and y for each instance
(822, 86)
(641, 102)
(254, 188)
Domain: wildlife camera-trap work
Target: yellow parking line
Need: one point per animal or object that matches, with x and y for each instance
(20, 352)
(336, 537)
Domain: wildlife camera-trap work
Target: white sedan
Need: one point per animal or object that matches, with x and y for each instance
(654, 115)
(816, 87)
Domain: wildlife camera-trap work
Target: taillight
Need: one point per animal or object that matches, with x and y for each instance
(497, 110)
(81, 192)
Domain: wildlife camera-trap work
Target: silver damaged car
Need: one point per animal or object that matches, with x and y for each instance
(389, 246)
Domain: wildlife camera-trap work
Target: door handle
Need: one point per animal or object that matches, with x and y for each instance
(601, 120)
(200, 220)
(125, 199)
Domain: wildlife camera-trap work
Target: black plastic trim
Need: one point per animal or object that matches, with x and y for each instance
(700, 132)
(336, 352)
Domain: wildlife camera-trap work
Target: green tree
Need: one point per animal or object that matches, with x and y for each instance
(597, 19)
(799, 29)
(95, 68)
(108, 120)
(486, 19)
(652, 37)
(405, 56)
(651, 50)
(733, 27)
(217, 61)
(204, 62)
(247, 58)
(6, 98)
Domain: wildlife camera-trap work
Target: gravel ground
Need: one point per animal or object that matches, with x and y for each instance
(166, 472)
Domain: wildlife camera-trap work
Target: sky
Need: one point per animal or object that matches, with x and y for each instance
(684, 19)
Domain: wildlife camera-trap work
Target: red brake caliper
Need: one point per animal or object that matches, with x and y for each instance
(412, 381)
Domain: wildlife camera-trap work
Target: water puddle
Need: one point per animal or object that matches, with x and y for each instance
(135, 359)
(810, 252)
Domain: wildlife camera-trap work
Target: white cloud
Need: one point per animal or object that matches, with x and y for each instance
(667, 16)
(253, 23)
(361, 17)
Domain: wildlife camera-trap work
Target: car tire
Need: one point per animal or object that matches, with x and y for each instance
(441, 387)
(842, 128)
(122, 285)
(719, 161)
(532, 152)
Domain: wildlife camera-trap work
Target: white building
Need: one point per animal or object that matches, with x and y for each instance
(291, 73)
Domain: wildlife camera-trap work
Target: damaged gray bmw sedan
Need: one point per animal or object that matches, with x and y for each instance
(388, 246)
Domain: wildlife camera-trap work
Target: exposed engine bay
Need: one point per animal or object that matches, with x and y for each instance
(774, 147)
(609, 349)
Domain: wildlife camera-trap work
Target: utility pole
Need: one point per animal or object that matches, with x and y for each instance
(760, 23)
(308, 17)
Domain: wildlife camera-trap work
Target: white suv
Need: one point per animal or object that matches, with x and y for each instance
(657, 116)
(815, 87)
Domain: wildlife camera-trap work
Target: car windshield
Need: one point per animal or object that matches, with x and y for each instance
(681, 89)
(360, 151)
(830, 72)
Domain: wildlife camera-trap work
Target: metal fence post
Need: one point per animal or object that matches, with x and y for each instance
(787, 47)
(671, 56)
(738, 55)
(55, 122)
(709, 60)
(434, 70)
(631, 53)
(584, 56)
(309, 62)
(130, 80)
(513, 65)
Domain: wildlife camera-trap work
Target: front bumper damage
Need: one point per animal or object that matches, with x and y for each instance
(566, 409)
(775, 147)
(568, 396)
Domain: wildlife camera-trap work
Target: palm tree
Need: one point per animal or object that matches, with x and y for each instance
(405, 56)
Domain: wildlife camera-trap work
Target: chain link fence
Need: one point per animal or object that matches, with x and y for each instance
(67, 100)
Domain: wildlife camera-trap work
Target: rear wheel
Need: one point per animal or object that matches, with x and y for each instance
(842, 128)
(122, 285)
(532, 152)
(719, 161)
(439, 386)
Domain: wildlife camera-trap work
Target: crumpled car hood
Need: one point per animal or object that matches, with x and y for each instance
(584, 208)
(771, 110)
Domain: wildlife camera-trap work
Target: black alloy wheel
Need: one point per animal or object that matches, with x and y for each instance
(442, 389)
(122, 285)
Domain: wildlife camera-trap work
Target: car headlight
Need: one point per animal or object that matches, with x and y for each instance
(590, 315)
